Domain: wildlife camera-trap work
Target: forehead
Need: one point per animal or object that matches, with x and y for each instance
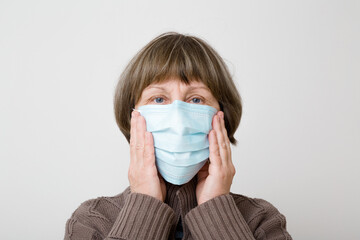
(174, 83)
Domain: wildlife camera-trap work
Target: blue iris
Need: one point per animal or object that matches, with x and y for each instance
(196, 100)
(159, 100)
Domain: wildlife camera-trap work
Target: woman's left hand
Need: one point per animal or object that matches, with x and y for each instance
(215, 178)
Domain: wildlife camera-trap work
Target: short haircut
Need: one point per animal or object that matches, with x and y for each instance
(184, 57)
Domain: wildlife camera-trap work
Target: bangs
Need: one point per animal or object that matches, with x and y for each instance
(179, 58)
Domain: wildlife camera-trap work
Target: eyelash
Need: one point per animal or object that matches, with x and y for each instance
(202, 101)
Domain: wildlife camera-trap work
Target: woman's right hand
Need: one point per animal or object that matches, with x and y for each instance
(143, 175)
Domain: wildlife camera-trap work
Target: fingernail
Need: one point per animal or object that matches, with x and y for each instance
(222, 115)
(135, 113)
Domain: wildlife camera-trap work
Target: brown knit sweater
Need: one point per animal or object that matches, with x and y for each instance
(138, 216)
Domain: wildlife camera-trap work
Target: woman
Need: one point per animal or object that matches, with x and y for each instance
(178, 108)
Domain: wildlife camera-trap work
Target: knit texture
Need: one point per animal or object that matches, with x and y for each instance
(138, 216)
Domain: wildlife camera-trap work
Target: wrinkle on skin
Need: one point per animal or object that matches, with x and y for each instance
(173, 89)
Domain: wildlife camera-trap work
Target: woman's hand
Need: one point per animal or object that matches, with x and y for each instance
(143, 175)
(215, 179)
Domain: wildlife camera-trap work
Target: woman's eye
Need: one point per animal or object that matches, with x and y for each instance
(159, 100)
(196, 100)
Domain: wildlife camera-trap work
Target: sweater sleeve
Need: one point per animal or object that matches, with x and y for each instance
(220, 218)
(141, 217)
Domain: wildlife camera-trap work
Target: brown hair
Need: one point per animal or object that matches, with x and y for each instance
(187, 58)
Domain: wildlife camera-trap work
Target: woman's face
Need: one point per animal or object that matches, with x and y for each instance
(173, 89)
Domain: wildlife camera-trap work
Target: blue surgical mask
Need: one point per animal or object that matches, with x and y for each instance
(180, 137)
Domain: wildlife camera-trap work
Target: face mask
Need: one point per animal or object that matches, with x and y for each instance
(180, 138)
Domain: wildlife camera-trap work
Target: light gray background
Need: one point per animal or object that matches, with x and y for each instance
(296, 64)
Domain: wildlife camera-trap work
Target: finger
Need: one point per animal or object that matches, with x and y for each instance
(133, 136)
(229, 159)
(213, 121)
(221, 140)
(149, 152)
(214, 150)
(224, 131)
(140, 137)
(227, 141)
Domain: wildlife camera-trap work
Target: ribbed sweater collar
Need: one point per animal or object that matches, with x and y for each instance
(185, 193)
(181, 198)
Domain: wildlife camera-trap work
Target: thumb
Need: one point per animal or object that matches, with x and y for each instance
(203, 172)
